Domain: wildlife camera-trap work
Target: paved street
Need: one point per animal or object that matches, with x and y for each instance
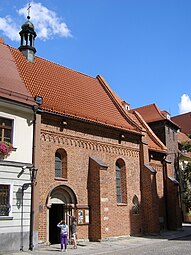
(169, 243)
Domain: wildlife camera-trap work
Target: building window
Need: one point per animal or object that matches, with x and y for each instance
(4, 200)
(6, 130)
(61, 164)
(58, 165)
(118, 184)
(121, 186)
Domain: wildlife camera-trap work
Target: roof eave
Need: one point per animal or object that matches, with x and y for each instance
(40, 110)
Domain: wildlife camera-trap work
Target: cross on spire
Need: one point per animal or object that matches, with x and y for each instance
(28, 9)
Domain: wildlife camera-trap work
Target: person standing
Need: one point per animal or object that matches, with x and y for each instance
(63, 234)
(73, 228)
(74, 231)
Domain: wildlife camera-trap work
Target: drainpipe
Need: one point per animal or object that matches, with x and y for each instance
(31, 243)
(165, 190)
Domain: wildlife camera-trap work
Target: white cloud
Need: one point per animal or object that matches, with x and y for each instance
(185, 104)
(9, 28)
(47, 23)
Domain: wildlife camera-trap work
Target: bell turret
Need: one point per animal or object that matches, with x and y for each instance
(28, 35)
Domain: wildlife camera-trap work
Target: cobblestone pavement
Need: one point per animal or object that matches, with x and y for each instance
(170, 242)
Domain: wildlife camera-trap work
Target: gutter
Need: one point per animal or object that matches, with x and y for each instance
(88, 121)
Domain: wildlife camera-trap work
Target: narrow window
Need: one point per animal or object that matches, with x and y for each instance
(121, 185)
(118, 183)
(61, 164)
(58, 165)
(5, 130)
(4, 200)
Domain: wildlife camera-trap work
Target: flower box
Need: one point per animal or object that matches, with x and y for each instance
(5, 149)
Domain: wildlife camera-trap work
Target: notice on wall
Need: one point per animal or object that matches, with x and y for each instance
(80, 216)
(83, 216)
(87, 216)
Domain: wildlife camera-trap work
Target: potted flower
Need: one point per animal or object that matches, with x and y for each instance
(5, 149)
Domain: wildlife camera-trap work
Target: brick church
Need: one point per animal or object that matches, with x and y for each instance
(96, 159)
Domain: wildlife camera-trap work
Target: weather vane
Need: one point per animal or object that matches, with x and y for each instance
(28, 9)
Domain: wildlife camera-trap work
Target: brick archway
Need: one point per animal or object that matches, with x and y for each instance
(61, 201)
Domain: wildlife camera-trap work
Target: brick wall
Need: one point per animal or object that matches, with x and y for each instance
(93, 186)
(174, 207)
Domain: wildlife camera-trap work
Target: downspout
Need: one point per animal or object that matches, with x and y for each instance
(31, 243)
(180, 186)
(165, 189)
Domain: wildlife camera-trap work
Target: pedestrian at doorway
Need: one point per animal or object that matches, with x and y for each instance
(63, 234)
(73, 228)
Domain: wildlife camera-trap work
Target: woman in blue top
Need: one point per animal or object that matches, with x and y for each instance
(63, 234)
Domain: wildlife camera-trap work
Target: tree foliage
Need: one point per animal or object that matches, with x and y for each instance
(186, 146)
(186, 181)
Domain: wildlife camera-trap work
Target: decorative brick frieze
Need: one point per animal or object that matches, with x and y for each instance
(88, 144)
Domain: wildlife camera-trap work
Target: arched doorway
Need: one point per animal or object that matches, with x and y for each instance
(61, 200)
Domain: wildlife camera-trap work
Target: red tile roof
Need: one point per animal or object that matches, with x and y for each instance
(11, 85)
(151, 113)
(184, 121)
(71, 93)
(183, 137)
(154, 143)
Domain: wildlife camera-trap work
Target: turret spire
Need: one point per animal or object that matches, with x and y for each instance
(28, 9)
(28, 35)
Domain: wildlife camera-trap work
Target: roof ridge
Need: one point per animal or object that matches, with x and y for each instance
(52, 62)
(159, 111)
(116, 101)
(181, 114)
(144, 106)
(146, 126)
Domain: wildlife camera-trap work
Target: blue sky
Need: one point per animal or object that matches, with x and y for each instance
(141, 47)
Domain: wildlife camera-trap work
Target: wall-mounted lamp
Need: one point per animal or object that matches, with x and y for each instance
(63, 123)
(38, 100)
(32, 171)
(23, 168)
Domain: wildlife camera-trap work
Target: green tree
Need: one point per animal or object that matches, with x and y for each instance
(186, 146)
(186, 181)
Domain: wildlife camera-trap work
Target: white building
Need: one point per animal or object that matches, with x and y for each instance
(16, 127)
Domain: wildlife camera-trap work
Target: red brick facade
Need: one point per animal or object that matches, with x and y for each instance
(92, 152)
(95, 159)
(93, 183)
